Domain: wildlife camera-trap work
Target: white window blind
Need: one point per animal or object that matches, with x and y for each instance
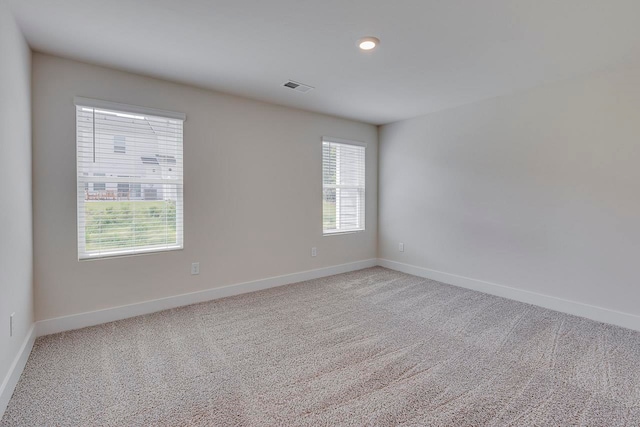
(129, 174)
(343, 186)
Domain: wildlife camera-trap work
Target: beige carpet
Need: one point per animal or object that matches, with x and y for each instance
(373, 347)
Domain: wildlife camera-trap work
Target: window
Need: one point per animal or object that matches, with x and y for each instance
(123, 190)
(343, 186)
(119, 144)
(129, 195)
(98, 186)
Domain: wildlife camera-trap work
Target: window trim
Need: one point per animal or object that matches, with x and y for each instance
(82, 253)
(331, 139)
(126, 108)
(143, 250)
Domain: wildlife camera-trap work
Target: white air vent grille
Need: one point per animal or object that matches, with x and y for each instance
(300, 87)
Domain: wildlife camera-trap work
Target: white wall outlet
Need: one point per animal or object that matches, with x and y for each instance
(11, 324)
(195, 268)
(314, 252)
(401, 247)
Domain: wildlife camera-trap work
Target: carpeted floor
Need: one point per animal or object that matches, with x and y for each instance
(373, 347)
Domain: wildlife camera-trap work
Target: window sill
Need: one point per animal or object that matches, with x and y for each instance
(341, 233)
(128, 253)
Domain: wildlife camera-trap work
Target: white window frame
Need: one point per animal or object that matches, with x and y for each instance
(81, 181)
(363, 221)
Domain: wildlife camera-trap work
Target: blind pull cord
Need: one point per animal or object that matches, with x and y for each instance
(94, 135)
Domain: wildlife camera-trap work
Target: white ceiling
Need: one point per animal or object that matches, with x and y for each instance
(434, 54)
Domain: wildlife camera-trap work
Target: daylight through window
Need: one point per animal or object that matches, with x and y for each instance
(343, 186)
(129, 172)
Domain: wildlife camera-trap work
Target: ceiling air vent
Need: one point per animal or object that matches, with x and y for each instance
(300, 87)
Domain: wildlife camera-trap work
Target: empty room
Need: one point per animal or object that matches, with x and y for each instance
(319, 213)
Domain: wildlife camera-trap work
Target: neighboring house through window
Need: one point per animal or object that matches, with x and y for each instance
(129, 172)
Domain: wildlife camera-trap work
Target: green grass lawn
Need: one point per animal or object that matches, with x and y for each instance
(329, 215)
(126, 224)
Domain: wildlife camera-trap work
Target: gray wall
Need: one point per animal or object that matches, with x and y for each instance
(16, 291)
(538, 191)
(253, 192)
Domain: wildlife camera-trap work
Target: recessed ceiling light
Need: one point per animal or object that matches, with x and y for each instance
(368, 43)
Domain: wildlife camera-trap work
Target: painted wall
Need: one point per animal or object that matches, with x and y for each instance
(538, 191)
(253, 192)
(16, 290)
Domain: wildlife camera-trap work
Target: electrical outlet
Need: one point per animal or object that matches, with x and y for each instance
(314, 252)
(195, 268)
(11, 324)
(401, 247)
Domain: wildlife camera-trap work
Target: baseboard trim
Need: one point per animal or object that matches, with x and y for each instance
(92, 318)
(15, 370)
(600, 314)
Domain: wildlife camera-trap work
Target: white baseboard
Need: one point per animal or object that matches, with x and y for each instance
(600, 314)
(15, 370)
(82, 320)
